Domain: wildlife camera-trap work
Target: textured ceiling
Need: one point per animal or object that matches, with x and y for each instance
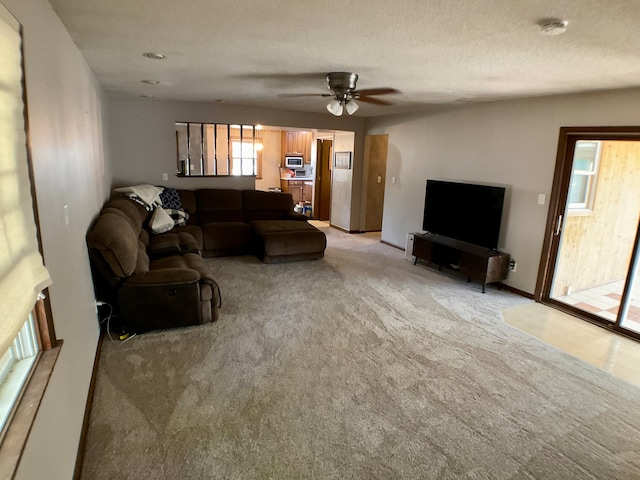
(434, 52)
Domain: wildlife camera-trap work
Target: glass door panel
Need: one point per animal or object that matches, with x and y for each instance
(630, 312)
(599, 227)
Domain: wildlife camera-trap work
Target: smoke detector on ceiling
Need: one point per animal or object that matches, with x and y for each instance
(154, 55)
(553, 26)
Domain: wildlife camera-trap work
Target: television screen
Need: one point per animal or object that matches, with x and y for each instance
(467, 212)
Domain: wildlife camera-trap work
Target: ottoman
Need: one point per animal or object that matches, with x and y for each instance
(279, 241)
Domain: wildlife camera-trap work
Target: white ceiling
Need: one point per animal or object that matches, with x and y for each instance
(434, 52)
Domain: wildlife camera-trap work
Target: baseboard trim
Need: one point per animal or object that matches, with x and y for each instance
(342, 229)
(87, 411)
(517, 291)
(392, 245)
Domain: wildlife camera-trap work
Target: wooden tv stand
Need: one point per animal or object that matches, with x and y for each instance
(473, 261)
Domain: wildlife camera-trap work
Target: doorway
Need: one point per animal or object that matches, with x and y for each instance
(591, 255)
(323, 180)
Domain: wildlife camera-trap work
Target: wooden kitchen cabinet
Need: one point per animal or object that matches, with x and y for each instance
(300, 190)
(296, 190)
(297, 143)
(307, 192)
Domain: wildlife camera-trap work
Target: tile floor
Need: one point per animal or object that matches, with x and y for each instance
(604, 301)
(618, 355)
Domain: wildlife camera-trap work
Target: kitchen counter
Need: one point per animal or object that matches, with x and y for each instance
(298, 178)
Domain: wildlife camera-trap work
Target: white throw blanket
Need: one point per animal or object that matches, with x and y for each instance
(149, 195)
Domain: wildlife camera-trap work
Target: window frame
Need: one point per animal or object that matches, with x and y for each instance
(256, 158)
(16, 365)
(15, 433)
(585, 207)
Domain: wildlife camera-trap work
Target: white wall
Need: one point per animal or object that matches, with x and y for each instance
(342, 185)
(143, 142)
(65, 106)
(510, 143)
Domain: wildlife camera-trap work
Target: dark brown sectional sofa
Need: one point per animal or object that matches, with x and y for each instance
(161, 281)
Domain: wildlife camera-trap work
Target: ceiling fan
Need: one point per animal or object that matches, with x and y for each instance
(343, 90)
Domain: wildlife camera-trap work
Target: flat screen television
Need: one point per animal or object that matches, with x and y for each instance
(463, 211)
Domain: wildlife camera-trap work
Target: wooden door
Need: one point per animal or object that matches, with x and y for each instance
(375, 158)
(322, 205)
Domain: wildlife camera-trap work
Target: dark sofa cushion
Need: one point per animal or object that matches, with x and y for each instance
(226, 238)
(127, 208)
(188, 202)
(117, 241)
(188, 262)
(194, 230)
(172, 243)
(283, 240)
(219, 205)
(259, 205)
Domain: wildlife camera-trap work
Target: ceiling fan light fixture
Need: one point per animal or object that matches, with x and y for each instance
(341, 81)
(352, 107)
(335, 107)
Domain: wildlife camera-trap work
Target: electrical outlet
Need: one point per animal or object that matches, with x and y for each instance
(513, 265)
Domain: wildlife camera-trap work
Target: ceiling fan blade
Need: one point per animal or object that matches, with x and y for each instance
(293, 95)
(372, 100)
(375, 91)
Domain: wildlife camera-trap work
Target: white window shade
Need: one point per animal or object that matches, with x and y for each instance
(22, 273)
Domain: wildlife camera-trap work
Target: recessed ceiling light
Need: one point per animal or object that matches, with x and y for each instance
(553, 26)
(154, 56)
(151, 82)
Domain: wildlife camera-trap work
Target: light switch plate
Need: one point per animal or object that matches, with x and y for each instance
(541, 198)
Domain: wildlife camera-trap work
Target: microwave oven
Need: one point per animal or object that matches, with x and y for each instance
(293, 162)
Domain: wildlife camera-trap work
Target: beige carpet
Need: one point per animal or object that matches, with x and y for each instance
(357, 366)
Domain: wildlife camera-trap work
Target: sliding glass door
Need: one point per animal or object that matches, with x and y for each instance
(592, 268)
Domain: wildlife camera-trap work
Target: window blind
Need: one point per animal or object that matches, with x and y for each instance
(22, 273)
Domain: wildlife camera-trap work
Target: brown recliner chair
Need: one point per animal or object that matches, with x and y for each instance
(171, 291)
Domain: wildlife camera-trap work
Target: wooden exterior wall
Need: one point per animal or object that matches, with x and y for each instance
(596, 248)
